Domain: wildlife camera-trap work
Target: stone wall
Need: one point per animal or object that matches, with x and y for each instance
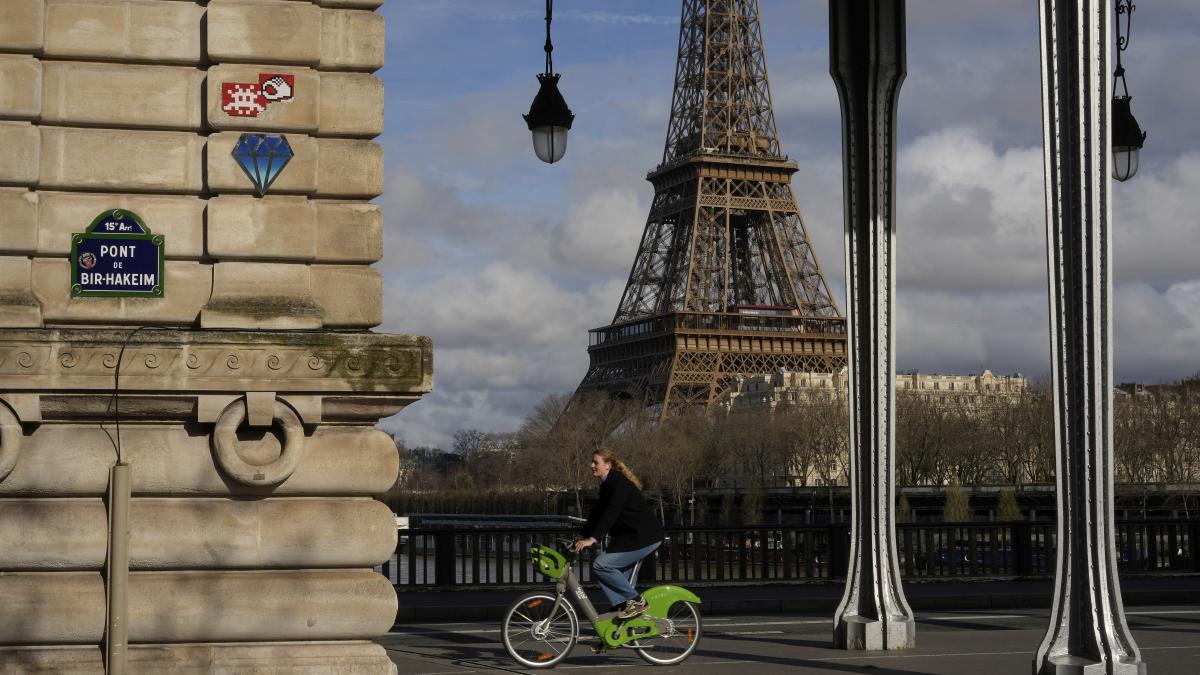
(117, 104)
(249, 395)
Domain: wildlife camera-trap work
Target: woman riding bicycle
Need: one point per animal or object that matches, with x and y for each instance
(634, 532)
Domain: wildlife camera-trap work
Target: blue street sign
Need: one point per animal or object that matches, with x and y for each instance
(117, 256)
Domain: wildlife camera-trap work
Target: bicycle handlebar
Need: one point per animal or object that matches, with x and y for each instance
(569, 545)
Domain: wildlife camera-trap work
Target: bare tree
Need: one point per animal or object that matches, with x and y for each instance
(469, 441)
(1038, 411)
(1001, 441)
(921, 442)
(969, 447)
(557, 448)
(756, 444)
(677, 458)
(829, 440)
(544, 417)
(798, 425)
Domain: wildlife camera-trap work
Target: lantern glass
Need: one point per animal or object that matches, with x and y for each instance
(550, 143)
(1125, 162)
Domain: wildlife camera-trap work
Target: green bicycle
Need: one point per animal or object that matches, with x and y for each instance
(541, 628)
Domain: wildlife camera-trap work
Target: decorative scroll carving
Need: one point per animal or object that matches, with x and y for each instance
(87, 359)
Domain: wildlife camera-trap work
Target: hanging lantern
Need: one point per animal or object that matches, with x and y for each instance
(1127, 136)
(549, 118)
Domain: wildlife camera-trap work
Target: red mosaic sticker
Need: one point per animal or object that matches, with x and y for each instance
(242, 99)
(249, 99)
(277, 87)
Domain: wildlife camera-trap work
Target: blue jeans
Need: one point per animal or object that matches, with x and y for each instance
(612, 571)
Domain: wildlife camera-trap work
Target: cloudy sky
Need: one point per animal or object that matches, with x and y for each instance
(506, 262)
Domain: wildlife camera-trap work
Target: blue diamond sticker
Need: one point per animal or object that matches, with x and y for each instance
(262, 157)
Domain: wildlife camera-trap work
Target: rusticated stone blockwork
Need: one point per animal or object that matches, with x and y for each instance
(191, 78)
(248, 390)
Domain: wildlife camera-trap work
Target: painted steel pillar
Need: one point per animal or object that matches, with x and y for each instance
(866, 51)
(1087, 631)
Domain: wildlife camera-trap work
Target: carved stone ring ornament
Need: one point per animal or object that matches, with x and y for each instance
(10, 441)
(224, 440)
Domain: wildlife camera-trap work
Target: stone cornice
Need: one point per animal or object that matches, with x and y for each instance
(170, 360)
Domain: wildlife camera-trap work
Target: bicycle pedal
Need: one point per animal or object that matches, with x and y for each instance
(598, 649)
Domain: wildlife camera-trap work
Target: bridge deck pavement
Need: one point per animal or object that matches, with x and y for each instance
(972, 642)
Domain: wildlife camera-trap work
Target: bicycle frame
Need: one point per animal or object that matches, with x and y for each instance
(613, 632)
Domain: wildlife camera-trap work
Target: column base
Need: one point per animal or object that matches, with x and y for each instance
(861, 633)
(1078, 665)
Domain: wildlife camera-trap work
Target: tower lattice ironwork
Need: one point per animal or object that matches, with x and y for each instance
(725, 282)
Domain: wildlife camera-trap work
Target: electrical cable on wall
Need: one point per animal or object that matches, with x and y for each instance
(114, 402)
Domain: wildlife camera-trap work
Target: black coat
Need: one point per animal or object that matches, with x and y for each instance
(622, 513)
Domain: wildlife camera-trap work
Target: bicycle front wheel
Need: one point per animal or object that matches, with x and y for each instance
(535, 637)
(678, 641)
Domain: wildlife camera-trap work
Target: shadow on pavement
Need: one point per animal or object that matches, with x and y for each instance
(494, 659)
(773, 640)
(968, 625)
(818, 666)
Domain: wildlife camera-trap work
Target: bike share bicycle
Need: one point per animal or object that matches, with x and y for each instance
(541, 628)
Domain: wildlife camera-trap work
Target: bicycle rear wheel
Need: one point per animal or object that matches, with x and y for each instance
(535, 638)
(678, 642)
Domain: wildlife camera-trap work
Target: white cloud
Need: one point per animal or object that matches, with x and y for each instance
(600, 234)
(971, 217)
(943, 331)
(1155, 222)
(1157, 334)
(503, 336)
(1185, 298)
(618, 18)
(500, 304)
(506, 262)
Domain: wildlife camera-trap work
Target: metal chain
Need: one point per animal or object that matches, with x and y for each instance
(549, 46)
(1127, 8)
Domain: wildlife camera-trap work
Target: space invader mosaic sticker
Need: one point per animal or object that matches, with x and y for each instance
(250, 99)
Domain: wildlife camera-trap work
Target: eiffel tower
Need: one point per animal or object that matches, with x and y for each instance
(725, 282)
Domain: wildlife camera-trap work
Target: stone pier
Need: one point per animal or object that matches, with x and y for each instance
(242, 385)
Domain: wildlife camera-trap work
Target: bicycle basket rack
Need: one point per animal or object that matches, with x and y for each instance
(548, 561)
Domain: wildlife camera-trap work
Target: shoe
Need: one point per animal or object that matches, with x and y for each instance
(634, 607)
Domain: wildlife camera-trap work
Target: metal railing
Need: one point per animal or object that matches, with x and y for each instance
(728, 322)
(483, 557)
